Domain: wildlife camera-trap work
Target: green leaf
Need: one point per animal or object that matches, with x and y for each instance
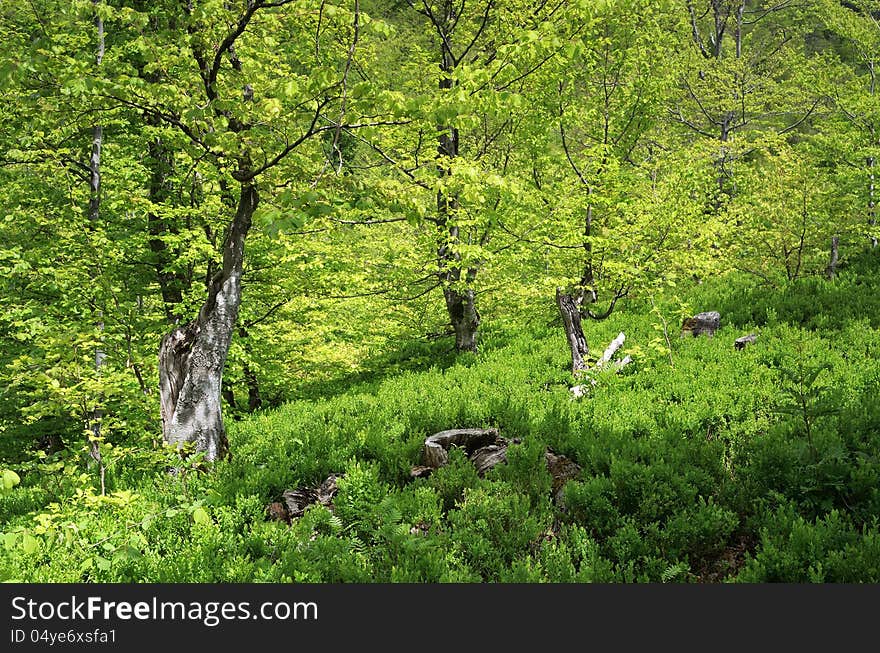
(8, 480)
(29, 544)
(201, 516)
(127, 552)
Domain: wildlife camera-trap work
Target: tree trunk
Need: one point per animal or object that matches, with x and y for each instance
(569, 309)
(191, 357)
(831, 270)
(255, 401)
(171, 284)
(460, 304)
(94, 215)
(464, 316)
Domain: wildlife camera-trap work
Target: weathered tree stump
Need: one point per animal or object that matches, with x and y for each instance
(296, 501)
(277, 511)
(742, 342)
(421, 471)
(562, 470)
(485, 458)
(701, 323)
(327, 490)
(436, 449)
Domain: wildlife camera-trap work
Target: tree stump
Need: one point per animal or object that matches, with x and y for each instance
(327, 490)
(562, 470)
(421, 471)
(436, 449)
(701, 323)
(296, 501)
(277, 511)
(485, 458)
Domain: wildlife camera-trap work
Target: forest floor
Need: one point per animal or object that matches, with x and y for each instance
(697, 463)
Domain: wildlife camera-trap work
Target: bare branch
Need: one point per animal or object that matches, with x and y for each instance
(804, 118)
(485, 19)
(620, 293)
(695, 30)
(368, 222)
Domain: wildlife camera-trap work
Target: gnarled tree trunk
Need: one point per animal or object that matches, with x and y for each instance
(569, 308)
(465, 318)
(191, 357)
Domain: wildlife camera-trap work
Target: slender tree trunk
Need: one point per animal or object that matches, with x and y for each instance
(171, 284)
(460, 302)
(255, 401)
(831, 270)
(94, 216)
(192, 357)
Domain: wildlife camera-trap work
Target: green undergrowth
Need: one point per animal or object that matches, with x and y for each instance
(700, 463)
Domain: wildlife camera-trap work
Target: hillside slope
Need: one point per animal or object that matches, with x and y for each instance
(699, 464)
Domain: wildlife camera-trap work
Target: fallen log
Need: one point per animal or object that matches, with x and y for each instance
(583, 389)
(612, 348)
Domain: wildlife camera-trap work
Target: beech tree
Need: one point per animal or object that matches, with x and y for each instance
(245, 124)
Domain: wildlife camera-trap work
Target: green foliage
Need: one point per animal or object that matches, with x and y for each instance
(599, 147)
(680, 465)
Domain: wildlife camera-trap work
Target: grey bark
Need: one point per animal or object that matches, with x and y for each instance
(436, 448)
(191, 357)
(701, 324)
(465, 319)
(569, 309)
